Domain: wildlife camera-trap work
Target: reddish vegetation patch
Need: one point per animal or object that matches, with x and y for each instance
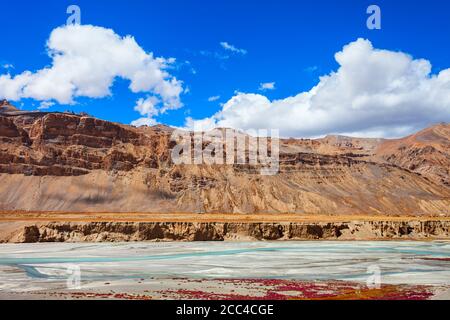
(120, 296)
(266, 289)
(437, 259)
(295, 290)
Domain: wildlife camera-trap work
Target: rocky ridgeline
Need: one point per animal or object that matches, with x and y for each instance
(122, 231)
(58, 144)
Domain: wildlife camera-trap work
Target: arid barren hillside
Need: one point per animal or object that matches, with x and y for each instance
(69, 162)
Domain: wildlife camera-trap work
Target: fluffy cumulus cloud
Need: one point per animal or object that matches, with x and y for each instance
(85, 61)
(148, 109)
(373, 93)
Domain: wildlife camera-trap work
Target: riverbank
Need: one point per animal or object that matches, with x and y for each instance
(234, 289)
(109, 227)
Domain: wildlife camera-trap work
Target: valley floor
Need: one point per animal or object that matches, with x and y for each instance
(405, 270)
(9, 216)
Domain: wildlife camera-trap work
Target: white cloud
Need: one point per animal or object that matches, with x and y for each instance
(213, 54)
(213, 98)
(147, 107)
(206, 124)
(267, 86)
(232, 48)
(373, 93)
(144, 122)
(45, 105)
(228, 51)
(192, 69)
(7, 66)
(86, 60)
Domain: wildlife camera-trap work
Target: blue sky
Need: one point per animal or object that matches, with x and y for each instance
(290, 43)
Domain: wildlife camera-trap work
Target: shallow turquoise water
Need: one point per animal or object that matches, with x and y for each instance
(398, 262)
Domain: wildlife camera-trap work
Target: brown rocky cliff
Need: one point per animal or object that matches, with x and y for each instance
(67, 162)
(64, 144)
(185, 231)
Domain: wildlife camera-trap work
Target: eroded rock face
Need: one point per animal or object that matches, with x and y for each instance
(66, 130)
(58, 144)
(426, 152)
(68, 162)
(8, 129)
(122, 231)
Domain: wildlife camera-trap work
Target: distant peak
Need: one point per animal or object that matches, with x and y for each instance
(162, 127)
(5, 106)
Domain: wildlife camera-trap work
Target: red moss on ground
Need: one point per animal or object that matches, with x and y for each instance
(272, 289)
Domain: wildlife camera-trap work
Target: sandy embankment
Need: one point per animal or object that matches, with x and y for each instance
(20, 227)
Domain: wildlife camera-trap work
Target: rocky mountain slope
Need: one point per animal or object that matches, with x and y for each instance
(426, 152)
(69, 162)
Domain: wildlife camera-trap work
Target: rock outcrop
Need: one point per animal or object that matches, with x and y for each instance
(143, 231)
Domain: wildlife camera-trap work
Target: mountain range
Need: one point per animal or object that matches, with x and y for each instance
(68, 162)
